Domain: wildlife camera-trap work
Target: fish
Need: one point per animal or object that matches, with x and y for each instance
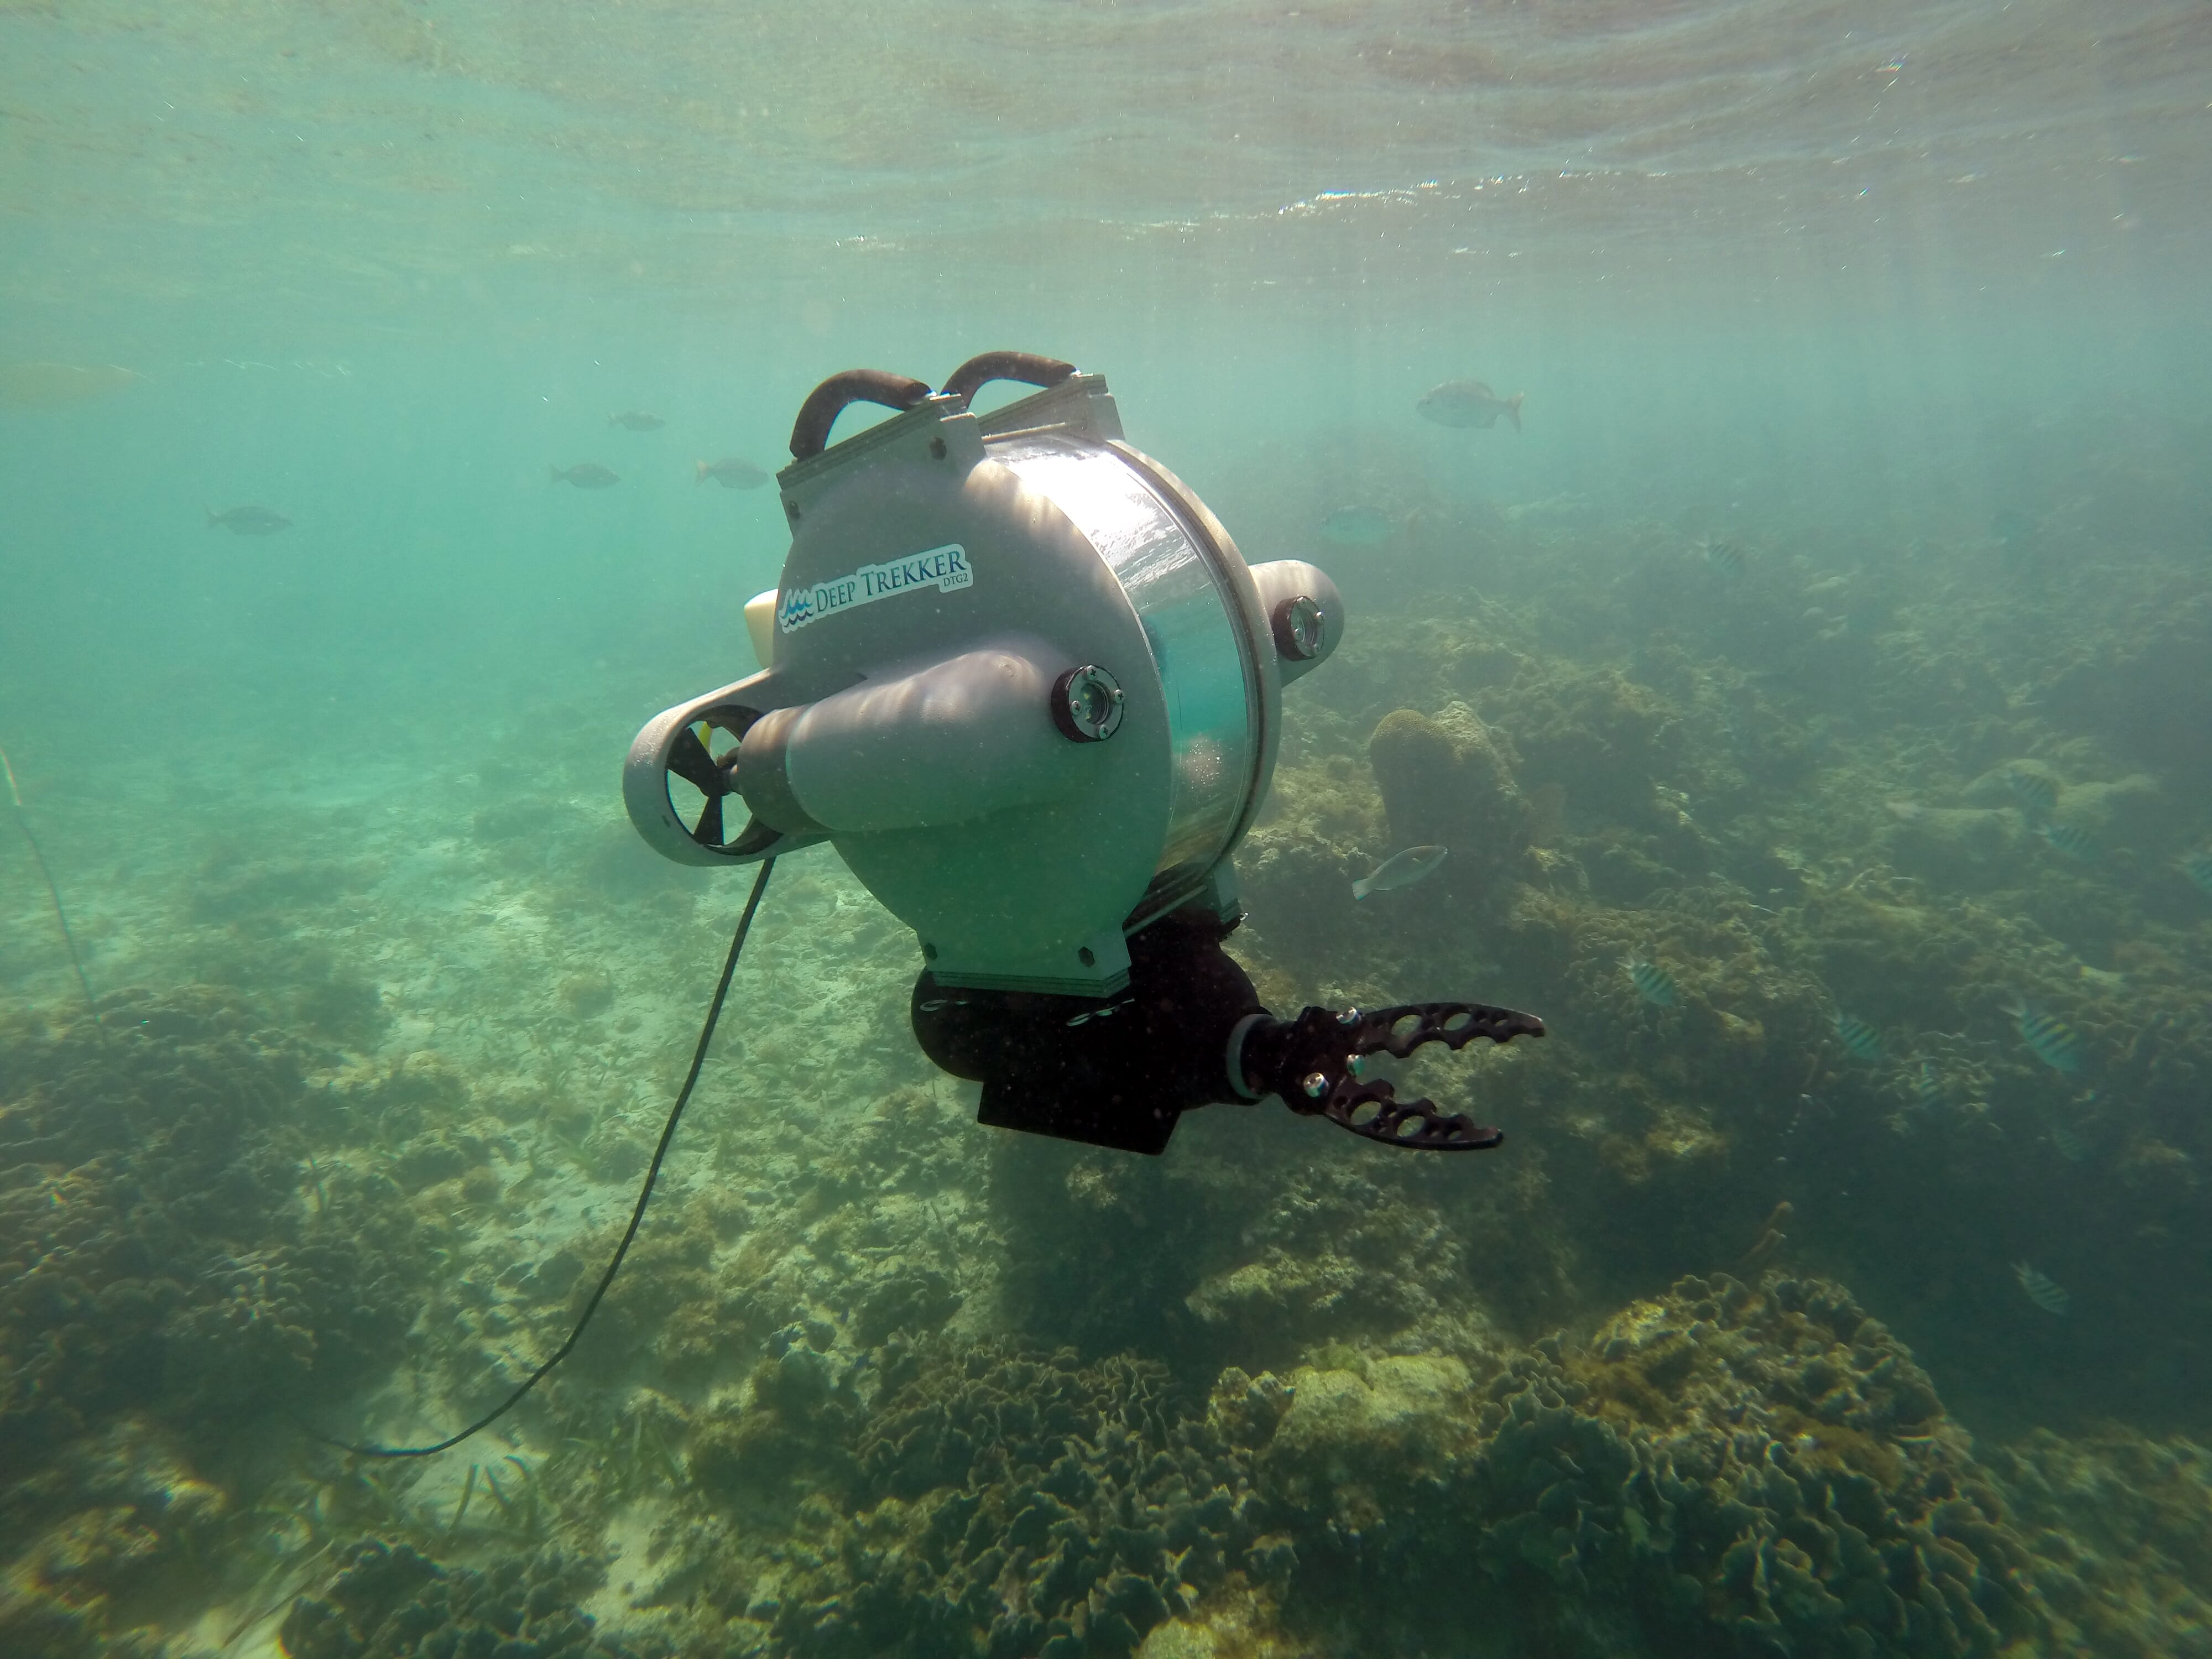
(2198, 866)
(637, 420)
(1860, 1040)
(2072, 840)
(2055, 1043)
(1724, 556)
(731, 473)
(51, 386)
(1652, 982)
(2070, 1145)
(249, 520)
(2037, 795)
(585, 475)
(1468, 403)
(1927, 1087)
(2046, 1293)
(1356, 526)
(1400, 870)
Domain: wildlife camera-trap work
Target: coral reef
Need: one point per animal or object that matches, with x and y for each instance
(2122, 1526)
(1727, 1469)
(1782, 831)
(166, 1245)
(1015, 1504)
(174, 1266)
(389, 1601)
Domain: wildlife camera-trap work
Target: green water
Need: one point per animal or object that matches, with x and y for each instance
(1834, 638)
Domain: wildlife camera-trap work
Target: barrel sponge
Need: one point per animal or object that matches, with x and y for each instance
(1448, 781)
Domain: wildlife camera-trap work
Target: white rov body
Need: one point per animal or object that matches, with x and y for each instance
(1016, 674)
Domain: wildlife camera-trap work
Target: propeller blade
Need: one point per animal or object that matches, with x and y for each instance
(690, 761)
(708, 830)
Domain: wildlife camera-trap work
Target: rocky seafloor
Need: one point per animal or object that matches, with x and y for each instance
(1728, 1352)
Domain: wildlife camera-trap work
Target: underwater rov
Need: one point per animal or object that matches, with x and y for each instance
(1021, 678)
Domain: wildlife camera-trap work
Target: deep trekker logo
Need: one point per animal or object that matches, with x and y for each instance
(944, 569)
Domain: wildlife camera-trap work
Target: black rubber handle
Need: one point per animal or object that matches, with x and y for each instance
(810, 433)
(1026, 367)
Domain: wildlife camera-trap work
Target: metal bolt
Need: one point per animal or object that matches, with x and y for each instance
(1315, 1085)
(1299, 626)
(1087, 704)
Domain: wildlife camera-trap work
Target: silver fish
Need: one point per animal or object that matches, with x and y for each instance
(637, 420)
(731, 473)
(2070, 1145)
(585, 475)
(1400, 870)
(1356, 526)
(2046, 1293)
(249, 520)
(1468, 403)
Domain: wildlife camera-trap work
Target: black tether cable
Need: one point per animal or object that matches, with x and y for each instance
(636, 1215)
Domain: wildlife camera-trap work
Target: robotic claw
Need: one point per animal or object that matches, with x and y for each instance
(1021, 678)
(1188, 1031)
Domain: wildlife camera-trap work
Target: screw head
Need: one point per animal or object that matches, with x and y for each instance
(1314, 1085)
(1087, 704)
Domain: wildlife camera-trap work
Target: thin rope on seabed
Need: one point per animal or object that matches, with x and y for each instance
(53, 893)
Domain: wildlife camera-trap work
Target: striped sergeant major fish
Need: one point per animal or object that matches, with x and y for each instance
(2037, 793)
(1652, 982)
(2198, 866)
(1927, 1087)
(1860, 1040)
(2072, 840)
(1725, 557)
(2046, 1293)
(2055, 1043)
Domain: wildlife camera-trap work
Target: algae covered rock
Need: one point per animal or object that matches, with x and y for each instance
(1448, 781)
(1604, 738)
(1356, 1447)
